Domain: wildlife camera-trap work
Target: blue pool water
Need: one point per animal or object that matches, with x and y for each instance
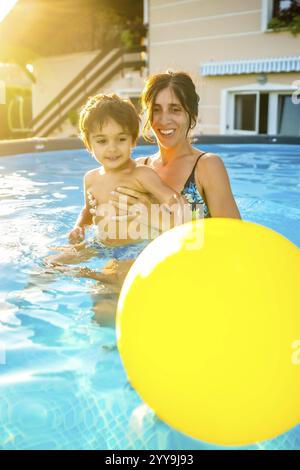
(62, 385)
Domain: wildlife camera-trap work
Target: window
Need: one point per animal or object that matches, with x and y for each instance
(19, 113)
(245, 112)
(277, 14)
(262, 112)
(251, 112)
(267, 13)
(288, 117)
(281, 7)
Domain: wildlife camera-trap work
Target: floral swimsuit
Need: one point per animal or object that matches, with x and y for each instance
(192, 195)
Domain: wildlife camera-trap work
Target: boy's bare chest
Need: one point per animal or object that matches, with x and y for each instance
(102, 185)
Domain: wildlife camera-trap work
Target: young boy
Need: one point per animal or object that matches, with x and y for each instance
(109, 128)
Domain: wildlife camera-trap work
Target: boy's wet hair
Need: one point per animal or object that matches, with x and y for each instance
(184, 89)
(100, 108)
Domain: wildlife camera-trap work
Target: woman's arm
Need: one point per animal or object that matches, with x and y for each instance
(212, 175)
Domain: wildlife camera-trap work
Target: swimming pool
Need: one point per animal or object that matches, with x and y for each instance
(62, 384)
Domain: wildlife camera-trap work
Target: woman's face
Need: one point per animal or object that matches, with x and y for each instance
(170, 121)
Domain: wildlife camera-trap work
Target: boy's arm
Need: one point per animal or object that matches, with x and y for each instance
(76, 235)
(171, 202)
(151, 183)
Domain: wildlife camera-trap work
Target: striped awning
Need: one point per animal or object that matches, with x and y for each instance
(238, 67)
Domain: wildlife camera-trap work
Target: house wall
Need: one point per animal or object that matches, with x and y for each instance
(128, 85)
(184, 33)
(53, 74)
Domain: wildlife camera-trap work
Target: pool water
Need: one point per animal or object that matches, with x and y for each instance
(62, 385)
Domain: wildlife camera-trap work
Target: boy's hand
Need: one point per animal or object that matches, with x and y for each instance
(76, 235)
(92, 203)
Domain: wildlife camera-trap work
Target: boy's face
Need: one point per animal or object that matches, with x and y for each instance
(111, 145)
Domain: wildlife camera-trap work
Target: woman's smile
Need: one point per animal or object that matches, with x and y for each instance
(167, 132)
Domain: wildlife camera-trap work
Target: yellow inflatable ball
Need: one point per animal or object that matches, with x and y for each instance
(208, 328)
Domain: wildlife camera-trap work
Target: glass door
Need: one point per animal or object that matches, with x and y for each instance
(288, 116)
(246, 113)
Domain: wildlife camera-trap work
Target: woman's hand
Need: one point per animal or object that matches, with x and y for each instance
(124, 198)
(132, 205)
(133, 196)
(93, 203)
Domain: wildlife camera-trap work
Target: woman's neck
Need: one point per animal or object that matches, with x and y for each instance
(171, 153)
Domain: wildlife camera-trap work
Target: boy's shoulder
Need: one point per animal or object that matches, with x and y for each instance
(144, 170)
(96, 172)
